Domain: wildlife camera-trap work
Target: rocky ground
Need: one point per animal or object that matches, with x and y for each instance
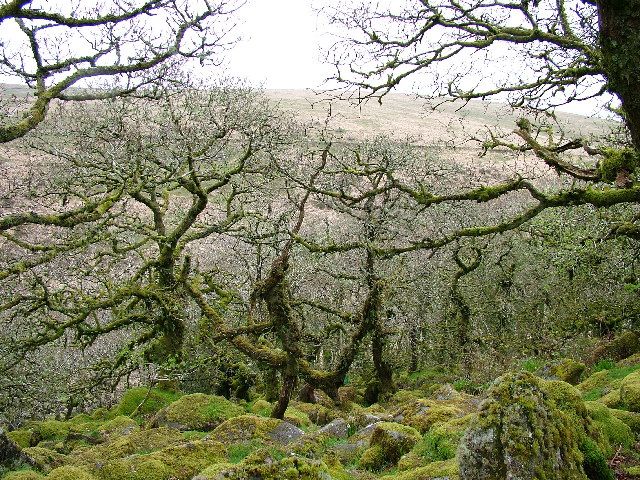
(564, 421)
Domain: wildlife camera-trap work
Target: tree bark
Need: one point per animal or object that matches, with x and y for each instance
(289, 382)
(619, 23)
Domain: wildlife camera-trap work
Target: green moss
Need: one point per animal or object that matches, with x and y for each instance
(635, 471)
(441, 442)
(239, 452)
(48, 459)
(118, 426)
(293, 468)
(632, 419)
(317, 413)
(615, 160)
(424, 413)
(373, 459)
(297, 417)
(145, 401)
(245, 428)
(622, 346)
(22, 438)
(181, 462)
(136, 468)
(142, 441)
(615, 431)
(630, 391)
(595, 464)
(199, 412)
(261, 407)
(521, 429)
(567, 370)
(447, 469)
(23, 475)
(388, 442)
(213, 471)
(69, 473)
(51, 430)
(411, 460)
(190, 435)
(611, 399)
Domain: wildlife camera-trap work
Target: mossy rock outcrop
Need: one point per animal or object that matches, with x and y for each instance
(23, 475)
(616, 433)
(141, 441)
(422, 414)
(245, 428)
(566, 370)
(287, 468)
(441, 442)
(445, 470)
(179, 462)
(145, 401)
(618, 348)
(12, 456)
(630, 391)
(24, 438)
(388, 442)
(118, 426)
(197, 412)
(45, 458)
(317, 413)
(70, 473)
(521, 433)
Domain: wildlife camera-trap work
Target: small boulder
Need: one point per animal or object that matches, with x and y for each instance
(630, 391)
(11, 456)
(389, 441)
(70, 473)
(245, 428)
(197, 412)
(567, 370)
(619, 348)
(285, 433)
(337, 428)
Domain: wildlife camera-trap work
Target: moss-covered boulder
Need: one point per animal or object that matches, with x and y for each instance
(179, 462)
(11, 455)
(145, 401)
(23, 438)
(317, 413)
(632, 419)
(297, 417)
(441, 442)
(445, 470)
(245, 428)
(630, 391)
(118, 426)
(287, 468)
(141, 441)
(23, 475)
(197, 412)
(45, 458)
(567, 370)
(521, 433)
(616, 433)
(261, 407)
(70, 473)
(618, 348)
(422, 414)
(389, 441)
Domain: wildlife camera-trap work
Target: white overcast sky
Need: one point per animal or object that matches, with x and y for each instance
(280, 46)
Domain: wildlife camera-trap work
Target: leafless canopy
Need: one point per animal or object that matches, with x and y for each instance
(127, 45)
(538, 53)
